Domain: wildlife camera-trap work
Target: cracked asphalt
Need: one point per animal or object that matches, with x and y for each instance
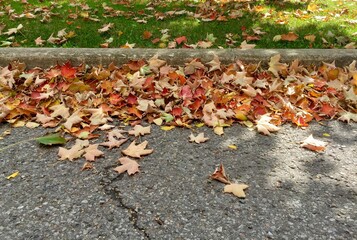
(293, 193)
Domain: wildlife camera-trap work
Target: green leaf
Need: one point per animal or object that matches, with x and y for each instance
(51, 139)
(167, 117)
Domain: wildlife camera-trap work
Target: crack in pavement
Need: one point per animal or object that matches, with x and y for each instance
(114, 193)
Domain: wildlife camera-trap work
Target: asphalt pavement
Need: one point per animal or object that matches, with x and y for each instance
(293, 193)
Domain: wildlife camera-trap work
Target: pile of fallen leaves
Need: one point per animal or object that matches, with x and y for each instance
(78, 100)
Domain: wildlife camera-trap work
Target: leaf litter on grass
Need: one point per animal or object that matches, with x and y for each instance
(179, 24)
(87, 98)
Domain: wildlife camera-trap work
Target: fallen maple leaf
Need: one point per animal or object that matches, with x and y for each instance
(236, 189)
(87, 166)
(181, 39)
(60, 110)
(53, 40)
(291, 37)
(310, 37)
(112, 141)
(348, 116)
(245, 45)
(220, 175)
(106, 27)
(215, 64)
(91, 152)
(75, 151)
(264, 126)
(314, 144)
(128, 165)
(39, 41)
(200, 138)
(13, 30)
(147, 35)
(140, 130)
(136, 151)
(275, 66)
(73, 119)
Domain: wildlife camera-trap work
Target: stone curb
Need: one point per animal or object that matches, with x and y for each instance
(46, 57)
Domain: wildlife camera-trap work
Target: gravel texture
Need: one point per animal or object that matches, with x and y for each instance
(293, 193)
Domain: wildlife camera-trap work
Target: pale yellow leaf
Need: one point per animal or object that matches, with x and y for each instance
(236, 189)
(200, 138)
(140, 130)
(167, 128)
(136, 151)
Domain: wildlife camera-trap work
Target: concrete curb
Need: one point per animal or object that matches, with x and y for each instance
(46, 57)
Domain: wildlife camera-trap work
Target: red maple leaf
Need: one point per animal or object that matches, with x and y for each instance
(68, 71)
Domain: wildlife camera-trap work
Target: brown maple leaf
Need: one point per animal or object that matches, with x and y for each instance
(75, 151)
(128, 165)
(136, 151)
(91, 152)
(112, 139)
(220, 175)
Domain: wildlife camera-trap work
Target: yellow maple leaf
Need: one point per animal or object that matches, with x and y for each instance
(236, 189)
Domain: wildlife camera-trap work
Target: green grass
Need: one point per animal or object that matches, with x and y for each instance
(337, 28)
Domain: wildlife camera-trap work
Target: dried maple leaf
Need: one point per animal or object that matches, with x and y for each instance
(155, 63)
(147, 34)
(351, 95)
(291, 37)
(53, 40)
(314, 144)
(200, 138)
(245, 45)
(98, 116)
(59, 110)
(236, 189)
(348, 116)
(42, 118)
(75, 151)
(275, 66)
(136, 151)
(204, 44)
(91, 152)
(73, 119)
(215, 64)
(106, 27)
(13, 30)
(140, 130)
(264, 126)
(112, 142)
(39, 41)
(128, 165)
(87, 166)
(220, 175)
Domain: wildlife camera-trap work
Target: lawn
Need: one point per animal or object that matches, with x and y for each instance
(178, 24)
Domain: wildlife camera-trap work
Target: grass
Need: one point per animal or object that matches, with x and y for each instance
(331, 22)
